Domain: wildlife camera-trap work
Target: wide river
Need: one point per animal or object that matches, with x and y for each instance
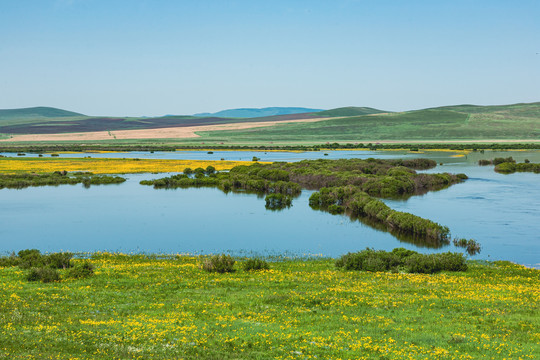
(502, 212)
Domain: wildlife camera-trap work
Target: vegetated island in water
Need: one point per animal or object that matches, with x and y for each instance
(346, 185)
(509, 166)
(21, 181)
(117, 306)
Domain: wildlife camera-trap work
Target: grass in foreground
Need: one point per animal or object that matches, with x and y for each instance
(108, 166)
(138, 307)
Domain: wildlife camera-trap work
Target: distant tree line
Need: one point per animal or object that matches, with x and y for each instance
(372, 146)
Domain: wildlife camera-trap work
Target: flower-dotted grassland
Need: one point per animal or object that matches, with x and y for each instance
(167, 307)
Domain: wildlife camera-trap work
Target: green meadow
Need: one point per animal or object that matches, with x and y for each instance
(165, 307)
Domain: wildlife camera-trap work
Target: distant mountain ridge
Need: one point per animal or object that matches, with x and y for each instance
(350, 111)
(262, 112)
(36, 112)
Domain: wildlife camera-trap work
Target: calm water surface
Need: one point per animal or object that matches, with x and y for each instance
(502, 212)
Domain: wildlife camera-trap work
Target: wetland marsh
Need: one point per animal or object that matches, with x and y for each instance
(499, 211)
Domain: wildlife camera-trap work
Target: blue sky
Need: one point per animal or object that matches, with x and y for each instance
(156, 57)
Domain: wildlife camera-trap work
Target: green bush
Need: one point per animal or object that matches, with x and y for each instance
(8, 261)
(219, 263)
(336, 209)
(43, 274)
(277, 201)
(61, 260)
(402, 259)
(80, 271)
(30, 258)
(452, 261)
(256, 264)
(368, 260)
(433, 263)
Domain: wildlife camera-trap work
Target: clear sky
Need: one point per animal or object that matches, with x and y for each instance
(156, 57)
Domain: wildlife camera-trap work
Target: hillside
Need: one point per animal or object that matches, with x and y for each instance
(349, 124)
(35, 112)
(465, 122)
(255, 113)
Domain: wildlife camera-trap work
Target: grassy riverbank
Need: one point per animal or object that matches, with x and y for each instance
(163, 308)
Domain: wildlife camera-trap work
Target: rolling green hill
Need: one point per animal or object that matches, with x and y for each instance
(349, 124)
(465, 122)
(35, 112)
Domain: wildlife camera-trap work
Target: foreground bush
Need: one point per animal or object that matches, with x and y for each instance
(80, 271)
(402, 260)
(43, 274)
(44, 268)
(219, 263)
(256, 264)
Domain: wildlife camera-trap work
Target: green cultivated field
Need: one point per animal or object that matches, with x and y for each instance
(139, 307)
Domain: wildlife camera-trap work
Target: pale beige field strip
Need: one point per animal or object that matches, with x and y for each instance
(163, 133)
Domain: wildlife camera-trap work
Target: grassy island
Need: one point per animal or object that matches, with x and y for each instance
(164, 307)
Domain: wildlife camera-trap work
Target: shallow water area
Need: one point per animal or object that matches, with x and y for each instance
(499, 211)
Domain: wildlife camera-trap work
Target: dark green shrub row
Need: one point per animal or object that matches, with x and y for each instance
(335, 145)
(385, 178)
(402, 260)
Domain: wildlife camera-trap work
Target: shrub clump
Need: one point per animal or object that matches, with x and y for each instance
(277, 201)
(219, 263)
(471, 245)
(256, 264)
(402, 260)
(81, 271)
(43, 274)
(44, 267)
